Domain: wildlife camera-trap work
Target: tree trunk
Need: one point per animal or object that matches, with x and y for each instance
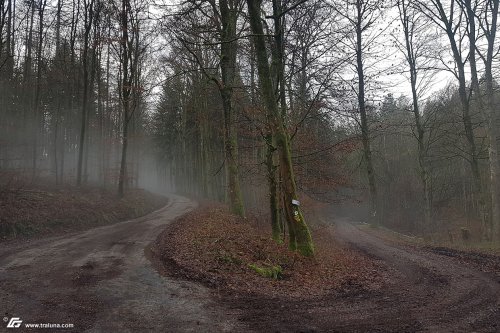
(123, 161)
(300, 237)
(478, 98)
(272, 178)
(229, 16)
(422, 156)
(83, 125)
(37, 117)
(27, 77)
(448, 27)
(365, 135)
(9, 61)
(231, 146)
(126, 89)
(493, 116)
(494, 180)
(469, 134)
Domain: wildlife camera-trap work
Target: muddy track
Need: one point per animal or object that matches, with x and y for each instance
(427, 292)
(101, 281)
(441, 293)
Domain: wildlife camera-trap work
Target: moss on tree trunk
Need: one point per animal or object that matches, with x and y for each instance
(277, 229)
(300, 237)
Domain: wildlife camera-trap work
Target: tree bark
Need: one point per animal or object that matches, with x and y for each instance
(89, 13)
(37, 118)
(492, 113)
(365, 135)
(299, 234)
(422, 156)
(9, 41)
(477, 96)
(272, 179)
(229, 16)
(438, 12)
(125, 93)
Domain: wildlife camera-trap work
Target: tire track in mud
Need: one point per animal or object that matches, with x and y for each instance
(440, 293)
(101, 281)
(426, 292)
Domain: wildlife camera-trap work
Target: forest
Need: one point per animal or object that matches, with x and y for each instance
(284, 112)
(389, 108)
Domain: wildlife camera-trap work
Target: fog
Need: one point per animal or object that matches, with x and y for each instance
(84, 103)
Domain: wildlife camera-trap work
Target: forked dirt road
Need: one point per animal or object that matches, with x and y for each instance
(101, 281)
(427, 292)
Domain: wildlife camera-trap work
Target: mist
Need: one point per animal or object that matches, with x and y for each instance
(250, 166)
(76, 100)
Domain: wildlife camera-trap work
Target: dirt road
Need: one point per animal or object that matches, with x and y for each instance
(431, 292)
(426, 292)
(101, 281)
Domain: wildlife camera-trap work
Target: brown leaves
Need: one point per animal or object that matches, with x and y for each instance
(214, 247)
(48, 209)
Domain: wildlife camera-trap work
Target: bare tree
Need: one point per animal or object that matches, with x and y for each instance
(88, 23)
(487, 16)
(300, 237)
(361, 16)
(224, 20)
(131, 52)
(414, 48)
(450, 19)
